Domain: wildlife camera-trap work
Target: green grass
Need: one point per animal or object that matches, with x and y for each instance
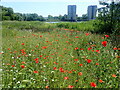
(54, 55)
(81, 26)
(37, 26)
(34, 26)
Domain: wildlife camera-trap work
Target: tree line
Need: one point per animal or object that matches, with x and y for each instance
(7, 13)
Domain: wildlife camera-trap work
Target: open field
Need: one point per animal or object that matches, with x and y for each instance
(52, 57)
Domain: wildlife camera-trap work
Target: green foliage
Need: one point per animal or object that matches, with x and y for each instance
(80, 26)
(108, 19)
(7, 13)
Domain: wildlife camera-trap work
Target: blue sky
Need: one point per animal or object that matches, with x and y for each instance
(48, 7)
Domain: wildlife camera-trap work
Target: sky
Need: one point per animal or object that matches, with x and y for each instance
(48, 7)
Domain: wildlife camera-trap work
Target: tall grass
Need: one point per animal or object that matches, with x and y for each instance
(60, 58)
(37, 26)
(34, 26)
(80, 26)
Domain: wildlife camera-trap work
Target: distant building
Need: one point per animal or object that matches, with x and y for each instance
(72, 13)
(91, 13)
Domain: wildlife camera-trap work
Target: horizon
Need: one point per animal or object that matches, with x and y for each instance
(49, 7)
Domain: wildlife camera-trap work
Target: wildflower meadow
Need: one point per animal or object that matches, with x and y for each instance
(58, 58)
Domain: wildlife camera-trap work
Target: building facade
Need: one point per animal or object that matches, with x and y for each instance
(72, 13)
(91, 12)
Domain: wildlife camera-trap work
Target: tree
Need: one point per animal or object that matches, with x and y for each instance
(108, 18)
(40, 18)
(84, 17)
(18, 17)
(7, 13)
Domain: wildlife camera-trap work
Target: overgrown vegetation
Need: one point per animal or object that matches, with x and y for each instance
(81, 26)
(34, 26)
(61, 55)
(58, 58)
(37, 26)
(108, 20)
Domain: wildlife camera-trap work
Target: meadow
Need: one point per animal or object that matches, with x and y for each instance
(43, 55)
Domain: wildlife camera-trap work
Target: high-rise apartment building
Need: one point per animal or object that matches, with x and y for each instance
(72, 13)
(91, 12)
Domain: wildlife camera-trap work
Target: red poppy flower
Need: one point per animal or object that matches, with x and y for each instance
(104, 43)
(87, 34)
(46, 86)
(80, 73)
(54, 68)
(70, 86)
(61, 69)
(88, 60)
(36, 59)
(44, 47)
(115, 48)
(102, 37)
(76, 48)
(40, 36)
(22, 66)
(76, 80)
(55, 63)
(65, 78)
(101, 81)
(107, 36)
(97, 63)
(37, 62)
(36, 46)
(23, 53)
(8, 64)
(98, 51)
(76, 37)
(8, 48)
(80, 64)
(22, 44)
(92, 50)
(76, 59)
(114, 75)
(81, 49)
(45, 58)
(66, 41)
(64, 62)
(22, 50)
(40, 56)
(92, 84)
(35, 71)
(23, 62)
(69, 71)
(66, 29)
(13, 65)
(89, 48)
